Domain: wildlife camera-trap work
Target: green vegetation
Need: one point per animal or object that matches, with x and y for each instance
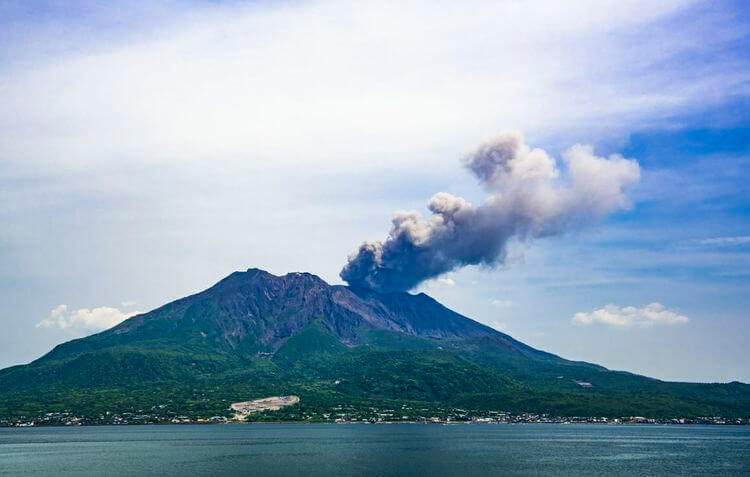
(366, 382)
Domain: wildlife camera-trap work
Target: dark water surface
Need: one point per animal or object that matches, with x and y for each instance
(360, 449)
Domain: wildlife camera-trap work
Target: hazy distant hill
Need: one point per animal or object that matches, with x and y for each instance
(254, 334)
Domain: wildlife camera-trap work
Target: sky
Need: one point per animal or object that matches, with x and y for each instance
(147, 151)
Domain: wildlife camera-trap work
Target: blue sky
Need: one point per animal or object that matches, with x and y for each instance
(146, 152)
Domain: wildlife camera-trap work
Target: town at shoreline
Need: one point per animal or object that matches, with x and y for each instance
(385, 416)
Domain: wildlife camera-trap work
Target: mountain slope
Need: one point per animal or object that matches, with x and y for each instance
(254, 333)
(254, 313)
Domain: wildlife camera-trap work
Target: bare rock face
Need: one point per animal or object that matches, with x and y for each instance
(257, 312)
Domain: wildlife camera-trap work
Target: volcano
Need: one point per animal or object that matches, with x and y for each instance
(255, 334)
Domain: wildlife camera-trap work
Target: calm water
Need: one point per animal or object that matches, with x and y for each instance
(359, 449)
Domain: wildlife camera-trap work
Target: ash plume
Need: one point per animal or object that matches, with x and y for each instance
(530, 196)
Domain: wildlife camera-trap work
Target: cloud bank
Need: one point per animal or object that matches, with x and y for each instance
(630, 316)
(530, 197)
(230, 80)
(84, 319)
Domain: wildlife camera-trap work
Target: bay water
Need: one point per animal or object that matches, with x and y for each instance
(376, 449)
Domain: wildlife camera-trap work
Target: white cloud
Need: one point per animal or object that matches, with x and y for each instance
(447, 281)
(726, 241)
(630, 316)
(503, 303)
(84, 319)
(322, 82)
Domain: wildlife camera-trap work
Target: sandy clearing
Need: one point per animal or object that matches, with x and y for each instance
(272, 403)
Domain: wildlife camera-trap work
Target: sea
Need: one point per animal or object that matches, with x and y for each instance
(376, 449)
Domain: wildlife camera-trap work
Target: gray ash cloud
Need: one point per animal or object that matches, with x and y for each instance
(530, 196)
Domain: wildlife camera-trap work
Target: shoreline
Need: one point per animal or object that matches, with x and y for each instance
(443, 423)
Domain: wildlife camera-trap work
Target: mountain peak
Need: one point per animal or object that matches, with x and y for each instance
(253, 273)
(258, 278)
(258, 311)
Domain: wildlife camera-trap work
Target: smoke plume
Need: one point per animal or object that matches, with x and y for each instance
(529, 197)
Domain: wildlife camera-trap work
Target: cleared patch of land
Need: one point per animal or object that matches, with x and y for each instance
(272, 403)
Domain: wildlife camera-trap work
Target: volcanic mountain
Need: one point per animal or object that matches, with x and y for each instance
(254, 334)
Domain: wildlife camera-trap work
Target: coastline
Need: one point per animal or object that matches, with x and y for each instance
(560, 422)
